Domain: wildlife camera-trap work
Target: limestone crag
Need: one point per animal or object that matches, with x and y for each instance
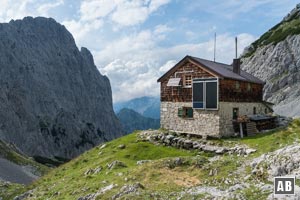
(53, 100)
(278, 64)
(279, 67)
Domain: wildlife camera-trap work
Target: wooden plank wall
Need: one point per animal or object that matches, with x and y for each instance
(228, 91)
(181, 94)
(247, 92)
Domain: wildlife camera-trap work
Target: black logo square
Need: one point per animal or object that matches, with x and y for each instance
(284, 185)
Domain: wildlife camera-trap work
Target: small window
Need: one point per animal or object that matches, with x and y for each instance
(266, 110)
(254, 110)
(185, 112)
(188, 80)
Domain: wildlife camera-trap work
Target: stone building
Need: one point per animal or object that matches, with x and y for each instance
(203, 97)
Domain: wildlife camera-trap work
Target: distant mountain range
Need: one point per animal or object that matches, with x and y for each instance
(132, 121)
(146, 106)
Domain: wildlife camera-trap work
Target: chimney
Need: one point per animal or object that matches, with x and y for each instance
(236, 66)
(236, 62)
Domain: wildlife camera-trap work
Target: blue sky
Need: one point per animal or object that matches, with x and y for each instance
(135, 41)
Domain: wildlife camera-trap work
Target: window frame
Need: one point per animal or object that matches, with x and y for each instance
(185, 112)
(189, 81)
(204, 81)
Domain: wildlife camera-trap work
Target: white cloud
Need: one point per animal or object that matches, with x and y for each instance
(135, 62)
(155, 4)
(120, 13)
(168, 65)
(44, 8)
(14, 9)
(95, 9)
(161, 29)
(19, 9)
(130, 13)
(81, 29)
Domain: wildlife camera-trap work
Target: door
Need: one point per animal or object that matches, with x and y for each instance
(235, 113)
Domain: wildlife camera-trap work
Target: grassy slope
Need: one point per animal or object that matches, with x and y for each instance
(159, 177)
(277, 34)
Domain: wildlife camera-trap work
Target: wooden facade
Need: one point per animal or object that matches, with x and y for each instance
(230, 90)
(182, 93)
(239, 91)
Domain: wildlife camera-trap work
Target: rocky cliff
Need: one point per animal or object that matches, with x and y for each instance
(53, 100)
(275, 58)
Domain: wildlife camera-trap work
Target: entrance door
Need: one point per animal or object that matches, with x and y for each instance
(235, 113)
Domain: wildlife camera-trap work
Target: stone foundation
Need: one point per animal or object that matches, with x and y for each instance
(203, 123)
(213, 123)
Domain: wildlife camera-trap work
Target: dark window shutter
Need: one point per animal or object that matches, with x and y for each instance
(180, 112)
(190, 112)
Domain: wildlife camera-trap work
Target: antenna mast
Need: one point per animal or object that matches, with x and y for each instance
(215, 44)
(236, 47)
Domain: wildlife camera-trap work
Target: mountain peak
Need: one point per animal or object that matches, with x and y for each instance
(294, 14)
(54, 102)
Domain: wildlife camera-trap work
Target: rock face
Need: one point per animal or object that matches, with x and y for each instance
(275, 58)
(53, 100)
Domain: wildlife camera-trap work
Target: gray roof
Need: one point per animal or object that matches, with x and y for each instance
(227, 71)
(220, 69)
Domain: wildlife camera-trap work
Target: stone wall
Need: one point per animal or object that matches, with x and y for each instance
(203, 122)
(214, 123)
(226, 111)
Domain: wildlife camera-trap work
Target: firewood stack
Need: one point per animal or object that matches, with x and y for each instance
(243, 119)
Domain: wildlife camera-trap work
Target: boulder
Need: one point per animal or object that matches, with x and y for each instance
(116, 164)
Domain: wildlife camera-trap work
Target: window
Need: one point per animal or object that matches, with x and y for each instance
(198, 95)
(254, 110)
(185, 112)
(187, 81)
(211, 95)
(205, 93)
(266, 110)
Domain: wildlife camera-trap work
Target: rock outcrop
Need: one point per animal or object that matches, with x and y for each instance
(275, 58)
(53, 100)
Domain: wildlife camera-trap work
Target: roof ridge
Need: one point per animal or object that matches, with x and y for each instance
(210, 61)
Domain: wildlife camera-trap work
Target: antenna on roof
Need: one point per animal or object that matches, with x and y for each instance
(236, 47)
(215, 44)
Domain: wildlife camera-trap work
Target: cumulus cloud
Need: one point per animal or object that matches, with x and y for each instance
(19, 9)
(44, 8)
(81, 29)
(135, 62)
(14, 9)
(95, 9)
(120, 13)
